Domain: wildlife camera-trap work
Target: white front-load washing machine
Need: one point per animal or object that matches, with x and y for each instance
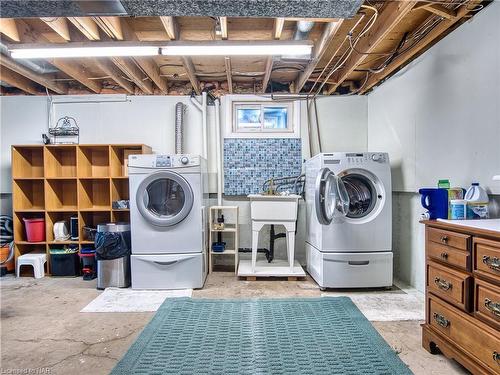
(349, 219)
(168, 218)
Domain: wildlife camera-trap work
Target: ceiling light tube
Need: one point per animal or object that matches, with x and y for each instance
(61, 52)
(237, 49)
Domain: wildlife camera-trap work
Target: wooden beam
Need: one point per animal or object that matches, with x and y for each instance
(134, 73)
(14, 79)
(8, 27)
(112, 26)
(390, 16)
(267, 75)
(191, 72)
(405, 57)
(227, 62)
(441, 11)
(223, 27)
(114, 73)
(171, 27)
(77, 72)
(59, 25)
(87, 27)
(329, 32)
(44, 80)
(278, 27)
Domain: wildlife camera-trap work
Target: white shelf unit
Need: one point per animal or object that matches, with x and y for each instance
(230, 228)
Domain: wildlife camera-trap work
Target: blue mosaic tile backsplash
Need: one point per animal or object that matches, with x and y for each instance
(249, 162)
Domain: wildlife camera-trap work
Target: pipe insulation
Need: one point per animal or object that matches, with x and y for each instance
(180, 110)
(218, 152)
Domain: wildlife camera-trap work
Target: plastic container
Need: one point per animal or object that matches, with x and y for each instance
(444, 184)
(35, 229)
(435, 200)
(89, 263)
(64, 262)
(458, 209)
(477, 202)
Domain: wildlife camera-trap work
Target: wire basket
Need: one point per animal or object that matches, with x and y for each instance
(66, 131)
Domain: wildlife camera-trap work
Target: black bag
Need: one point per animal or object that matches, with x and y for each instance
(112, 245)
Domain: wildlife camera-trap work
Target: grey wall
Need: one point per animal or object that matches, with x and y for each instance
(440, 118)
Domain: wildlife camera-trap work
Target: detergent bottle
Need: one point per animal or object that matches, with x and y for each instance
(477, 202)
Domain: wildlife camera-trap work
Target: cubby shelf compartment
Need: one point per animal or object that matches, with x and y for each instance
(119, 189)
(118, 156)
(53, 217)
(60, 161)
(27, 161)
(94, 194)
(91, 219)
(61, 195)
(29, 194)
(93, 161)
(121, 216)
(19, 226)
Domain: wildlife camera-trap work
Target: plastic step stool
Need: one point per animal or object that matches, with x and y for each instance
(36, 260)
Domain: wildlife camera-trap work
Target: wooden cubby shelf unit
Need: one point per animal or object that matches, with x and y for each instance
(57, 182)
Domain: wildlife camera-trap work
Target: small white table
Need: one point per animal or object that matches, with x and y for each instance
(274, 210)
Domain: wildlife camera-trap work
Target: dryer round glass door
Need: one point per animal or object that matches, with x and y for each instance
(332, 199)
(362, 195)
(164, 198)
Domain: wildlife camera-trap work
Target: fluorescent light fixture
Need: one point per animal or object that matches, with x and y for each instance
(237, 49)
(54, 52)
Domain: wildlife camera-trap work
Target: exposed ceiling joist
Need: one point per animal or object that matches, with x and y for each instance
(390, 16)
(77, 72)
(434, 34)
(171, 27)
(87, 27)
(191, 72)
(114, 73)
(8, 27)
(44, 80)
(441, 11)
(227, 61)
(329, 32)
(278, 27)
(112, 26)
(59, 25)
(267, 74)
(15, 79)
(134, 73)
(223, 27)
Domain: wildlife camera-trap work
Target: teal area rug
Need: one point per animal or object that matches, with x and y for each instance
(262, 336)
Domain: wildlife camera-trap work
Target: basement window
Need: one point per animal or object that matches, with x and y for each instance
(262, 117)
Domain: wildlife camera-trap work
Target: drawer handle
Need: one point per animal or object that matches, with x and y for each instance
(494, 307)
(442, 284)
(441, 320)
(444, 239)
(493, 263)
(444, 255)
(496, 357)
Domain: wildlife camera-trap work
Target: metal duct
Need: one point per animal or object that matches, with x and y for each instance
(45, 69)
(180, 109)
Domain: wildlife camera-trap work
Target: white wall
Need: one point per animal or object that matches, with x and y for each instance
(439, 118)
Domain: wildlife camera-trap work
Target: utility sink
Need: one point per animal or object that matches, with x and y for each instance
(274, 207)
(485, 224)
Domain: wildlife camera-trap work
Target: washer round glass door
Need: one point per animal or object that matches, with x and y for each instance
(362, 195)
(331, 197)
(164, 198)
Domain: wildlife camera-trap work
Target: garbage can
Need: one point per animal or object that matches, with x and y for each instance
(112, 249)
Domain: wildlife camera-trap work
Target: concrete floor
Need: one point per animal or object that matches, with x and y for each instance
(42, 328)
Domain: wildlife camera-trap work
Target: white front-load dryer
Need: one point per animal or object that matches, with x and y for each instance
(349, 220)
(168, 204)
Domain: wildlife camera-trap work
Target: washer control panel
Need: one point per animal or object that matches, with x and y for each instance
(163, 161)
(360, 158)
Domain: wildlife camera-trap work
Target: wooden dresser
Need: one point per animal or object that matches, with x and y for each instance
(463, 295)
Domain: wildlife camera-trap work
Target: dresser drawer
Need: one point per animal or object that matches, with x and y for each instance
(449, 255)
(487, 259)
(471, 335)
(451, 285)
(487, 302)
(445, 237)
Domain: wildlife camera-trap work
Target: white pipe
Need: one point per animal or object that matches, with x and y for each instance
(218, 151)
(203, 109)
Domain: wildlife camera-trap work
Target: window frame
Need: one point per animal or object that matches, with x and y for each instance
(262, 106)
